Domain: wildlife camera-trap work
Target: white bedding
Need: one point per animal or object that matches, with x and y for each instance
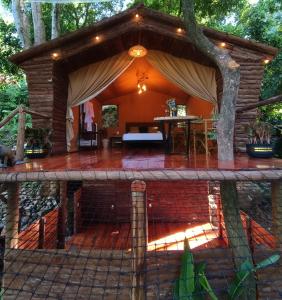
(156, 136)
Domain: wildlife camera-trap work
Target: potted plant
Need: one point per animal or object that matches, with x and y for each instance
(259, 145)
(38, 144)
(105, 139)
(278, 143)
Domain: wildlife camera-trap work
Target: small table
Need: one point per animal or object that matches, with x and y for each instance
(116, 140)
(170, 121)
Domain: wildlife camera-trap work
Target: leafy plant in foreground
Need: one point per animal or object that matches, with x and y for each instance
(192, 283)
(237, 286)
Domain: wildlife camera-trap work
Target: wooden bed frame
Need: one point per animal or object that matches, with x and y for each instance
(140, 124)
(129, 125)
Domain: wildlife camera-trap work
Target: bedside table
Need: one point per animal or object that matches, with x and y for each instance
(116, 141)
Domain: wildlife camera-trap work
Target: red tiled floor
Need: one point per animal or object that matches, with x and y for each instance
(139, 159)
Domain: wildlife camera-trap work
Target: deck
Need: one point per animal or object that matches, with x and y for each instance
(162, 236)
(140, 159)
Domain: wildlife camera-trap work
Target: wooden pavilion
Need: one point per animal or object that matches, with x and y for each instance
(122, 216)
(49, 65)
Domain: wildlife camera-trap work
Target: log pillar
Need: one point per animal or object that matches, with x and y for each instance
(21, 135)
(276, 189)
(13, 215)
(139, 234)
(62, 216)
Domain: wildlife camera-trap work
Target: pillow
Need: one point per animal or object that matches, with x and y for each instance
(143, 129)
(153, 129)
(134, 129)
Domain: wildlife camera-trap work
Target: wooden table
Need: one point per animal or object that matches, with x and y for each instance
(171, 121)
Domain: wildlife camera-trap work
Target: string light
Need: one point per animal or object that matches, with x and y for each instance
(55, 55)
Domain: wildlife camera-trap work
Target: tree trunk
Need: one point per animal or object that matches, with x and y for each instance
(225, 138)
(38, 24)
(21, 22)
(55, 21)
(231, 79)
(237, 237)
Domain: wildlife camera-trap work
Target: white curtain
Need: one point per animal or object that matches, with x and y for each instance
(195, 79)
(89, 81)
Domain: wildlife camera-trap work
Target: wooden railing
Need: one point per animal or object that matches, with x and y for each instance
(41, 234)
(256, 234)
(21, 110)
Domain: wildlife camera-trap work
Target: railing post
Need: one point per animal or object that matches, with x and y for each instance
(12, 216)
(21, 135)
(62, 216)
(276, 189)
(139, 233)
(41, 235)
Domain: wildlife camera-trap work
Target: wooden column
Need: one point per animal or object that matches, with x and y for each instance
(139, 232)
(12, 217)
(41, 235)
(236, 235)
(276, 187)
(21, 135)
(62, 216)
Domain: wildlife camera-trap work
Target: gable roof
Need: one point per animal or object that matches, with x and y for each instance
(148, 16)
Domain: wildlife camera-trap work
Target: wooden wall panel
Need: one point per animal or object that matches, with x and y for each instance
(60, 95)
(39, 72)
(251, 71)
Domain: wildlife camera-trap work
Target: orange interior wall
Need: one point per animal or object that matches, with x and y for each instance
(140, 108)
(198, 107)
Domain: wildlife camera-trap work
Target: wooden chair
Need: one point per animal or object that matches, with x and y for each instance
(204, 135)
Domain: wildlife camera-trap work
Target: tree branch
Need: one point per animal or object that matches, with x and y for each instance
(269, 101)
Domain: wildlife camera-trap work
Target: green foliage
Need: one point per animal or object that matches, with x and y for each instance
(9, 45)
(246, 269)
(261, 22)
(110, 116)
(11, 95)
(205, 9)
(38, 137)
(192, 283)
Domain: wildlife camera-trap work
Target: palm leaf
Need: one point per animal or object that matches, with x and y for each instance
(267, 262)
(186, 278)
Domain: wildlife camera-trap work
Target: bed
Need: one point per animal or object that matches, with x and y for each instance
(142, 133)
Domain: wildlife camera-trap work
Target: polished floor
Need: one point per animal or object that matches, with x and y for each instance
(162, 236)
(139, 159)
